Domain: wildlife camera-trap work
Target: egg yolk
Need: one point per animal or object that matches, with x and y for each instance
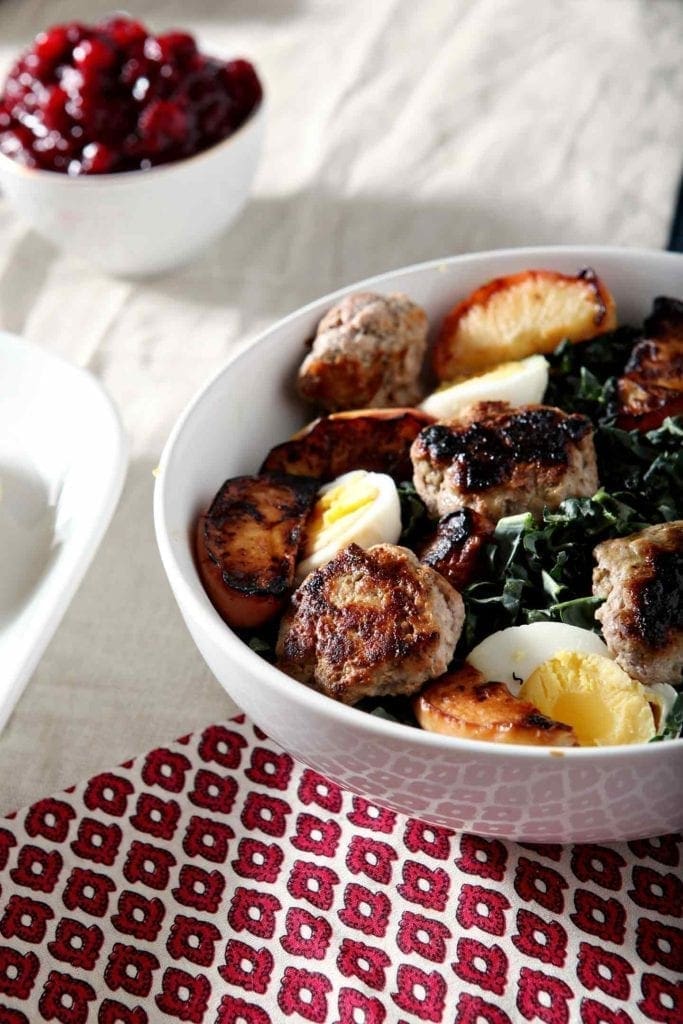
(343, 502)
(594, 695)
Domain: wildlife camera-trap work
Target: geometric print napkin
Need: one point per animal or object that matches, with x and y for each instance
(218, 881)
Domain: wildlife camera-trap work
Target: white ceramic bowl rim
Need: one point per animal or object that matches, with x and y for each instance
(225, 638)
(126, 177)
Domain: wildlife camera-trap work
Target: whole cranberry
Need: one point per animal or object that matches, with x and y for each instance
(93, 56)
(243, 84)
(213, 115)
(163, 124)
(135, 68)
(75, 31)
(152, 50)
(18, 83)
(53, 109)
(122, 31)
(53, 151)
(97, 159)
(17, 143)
(71, 81)
(176, 47)
(53, 46)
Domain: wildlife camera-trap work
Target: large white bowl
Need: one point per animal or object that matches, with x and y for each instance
(527, 793)
(140, 222)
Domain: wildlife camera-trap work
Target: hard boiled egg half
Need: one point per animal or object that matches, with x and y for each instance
(511, 655)
(357, 508)
(597, 698)
(568, 674)
(519, 383)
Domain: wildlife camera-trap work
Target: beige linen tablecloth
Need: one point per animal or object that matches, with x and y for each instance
(397, 131)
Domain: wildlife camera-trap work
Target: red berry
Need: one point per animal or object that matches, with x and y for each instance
(17, 85)
(176, 46)
(97, 159)
(75, 31)
(162, 124)
(71, 81)
(53, 46)
(17, 143)
(214, 115)
(243, 84)
(152, 50)
(123, 31)
(53, 108)
(136, 67)
(92, 56)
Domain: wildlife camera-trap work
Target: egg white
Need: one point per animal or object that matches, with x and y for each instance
(663, 697)
(511, 655)
(372, 516)
(519, 383)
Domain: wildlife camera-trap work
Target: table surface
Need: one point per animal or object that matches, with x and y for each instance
(397, 132)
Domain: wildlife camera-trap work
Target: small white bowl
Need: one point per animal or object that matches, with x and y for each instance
(526, 793)
(140, 222)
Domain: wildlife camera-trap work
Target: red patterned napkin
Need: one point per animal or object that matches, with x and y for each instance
(217, 881)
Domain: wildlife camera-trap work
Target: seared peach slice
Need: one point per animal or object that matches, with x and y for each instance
(516, 316)
(377, 440)
(248, 542)
(463, 704)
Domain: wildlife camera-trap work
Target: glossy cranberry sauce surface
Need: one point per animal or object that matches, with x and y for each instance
(112, 97)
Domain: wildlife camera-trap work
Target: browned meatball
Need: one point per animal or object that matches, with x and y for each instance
(500, 460)
(368, 623)
(367, 353)
(641, 579)
(455, 545)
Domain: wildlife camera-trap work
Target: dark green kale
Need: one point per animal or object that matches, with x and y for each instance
(582, 374)
(415, 519)
(644, 469)
(263, 642)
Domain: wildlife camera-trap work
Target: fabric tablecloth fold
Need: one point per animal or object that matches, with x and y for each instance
(218, 881)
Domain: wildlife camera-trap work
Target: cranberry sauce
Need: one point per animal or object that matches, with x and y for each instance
(111, 97)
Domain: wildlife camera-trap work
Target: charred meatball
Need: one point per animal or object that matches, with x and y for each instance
(370, 622)
(367, 353)
(641, 579)
(500, 460)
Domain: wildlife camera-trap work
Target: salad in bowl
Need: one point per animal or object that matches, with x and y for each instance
(427, 533)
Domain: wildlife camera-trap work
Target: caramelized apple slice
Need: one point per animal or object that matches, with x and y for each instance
(513, 317)
(463, 704)
(247, 545)
(377, 440)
